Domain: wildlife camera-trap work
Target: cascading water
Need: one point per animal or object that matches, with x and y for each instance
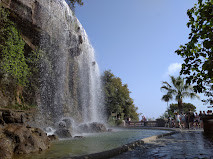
(70, 78)
(90, 84)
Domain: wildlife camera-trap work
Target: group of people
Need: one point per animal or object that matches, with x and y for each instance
(188, 120)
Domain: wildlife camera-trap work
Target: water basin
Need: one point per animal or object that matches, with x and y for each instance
(93, 143)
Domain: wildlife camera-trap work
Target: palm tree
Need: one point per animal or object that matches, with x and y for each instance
(178, 89)
(166, 98)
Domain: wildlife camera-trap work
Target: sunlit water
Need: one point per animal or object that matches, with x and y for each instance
(93, 143)
(71, 85)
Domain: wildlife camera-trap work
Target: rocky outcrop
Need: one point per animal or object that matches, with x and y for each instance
(9, 116)
(63, 133)
(92, 127)
(26, 140)
(49, 25)
(6, 147)
(18, 138)
(53, 137)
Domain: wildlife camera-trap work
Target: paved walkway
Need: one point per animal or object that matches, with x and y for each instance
(186, 144)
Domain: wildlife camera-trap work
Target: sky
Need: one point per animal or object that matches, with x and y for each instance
(136, 40)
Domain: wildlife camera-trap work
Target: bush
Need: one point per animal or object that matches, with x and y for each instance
(12, 59)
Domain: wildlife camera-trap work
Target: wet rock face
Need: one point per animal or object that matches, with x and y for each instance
(12, 117)
(63, 133)
(35, 20)
(48, 25)
(92, 127)
(6, 147)
(63, 129)
(53, 137)
(26, 140)
(18, 138)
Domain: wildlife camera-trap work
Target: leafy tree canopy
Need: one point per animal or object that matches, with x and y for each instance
(198, 52)
(117, 97)
(186, 106)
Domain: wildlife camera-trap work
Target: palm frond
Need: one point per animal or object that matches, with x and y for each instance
(178, 89)
(165, 88)
(166, 97)
(166, 83)
(185, 94)
(173, 80)
(194, 95)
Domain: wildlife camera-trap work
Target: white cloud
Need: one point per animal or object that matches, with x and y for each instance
(174, 68)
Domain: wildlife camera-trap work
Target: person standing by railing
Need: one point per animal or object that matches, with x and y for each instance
(191, 119)
(178, 120)
(183, 120)
(196, 121)
(201, 119)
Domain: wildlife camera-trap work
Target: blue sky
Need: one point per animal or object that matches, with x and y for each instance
(136, 39)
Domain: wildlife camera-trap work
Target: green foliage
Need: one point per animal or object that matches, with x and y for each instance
(178, 89)
(197, 53)
(19, 65)
(33, 61)
(111, 121)
(117, 97)
(174, 108)
(119, 122)
(12, 59)
(186, 106)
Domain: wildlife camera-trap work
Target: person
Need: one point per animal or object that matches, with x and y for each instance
(170, 122)
(196, 120)
(209, 112)
(201, 119)
(178, 120)
(191, 119)
(144, 118)
(167, 122)
(183, 120)
(187, 118)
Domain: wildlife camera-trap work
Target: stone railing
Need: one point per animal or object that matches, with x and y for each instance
(157, 123)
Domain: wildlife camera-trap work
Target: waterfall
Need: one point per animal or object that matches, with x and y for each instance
(70, 78)
(90, 83)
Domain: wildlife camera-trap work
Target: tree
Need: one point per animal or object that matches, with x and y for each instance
(166, 98)
(178, 89)
(117, 97)
(198, 52)
(186, 106)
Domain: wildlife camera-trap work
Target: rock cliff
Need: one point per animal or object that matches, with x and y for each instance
(18, 138)
(50, 26)
(69, 77)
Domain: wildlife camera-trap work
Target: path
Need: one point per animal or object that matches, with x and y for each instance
(186, 144)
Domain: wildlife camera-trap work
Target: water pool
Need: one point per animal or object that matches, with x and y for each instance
(93, 143)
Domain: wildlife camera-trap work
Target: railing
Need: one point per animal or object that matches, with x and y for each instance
(135, 124)
(142, 124)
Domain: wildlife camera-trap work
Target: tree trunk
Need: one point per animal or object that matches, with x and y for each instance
(180, 105)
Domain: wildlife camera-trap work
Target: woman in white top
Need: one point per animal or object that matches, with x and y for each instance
(178, 120)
